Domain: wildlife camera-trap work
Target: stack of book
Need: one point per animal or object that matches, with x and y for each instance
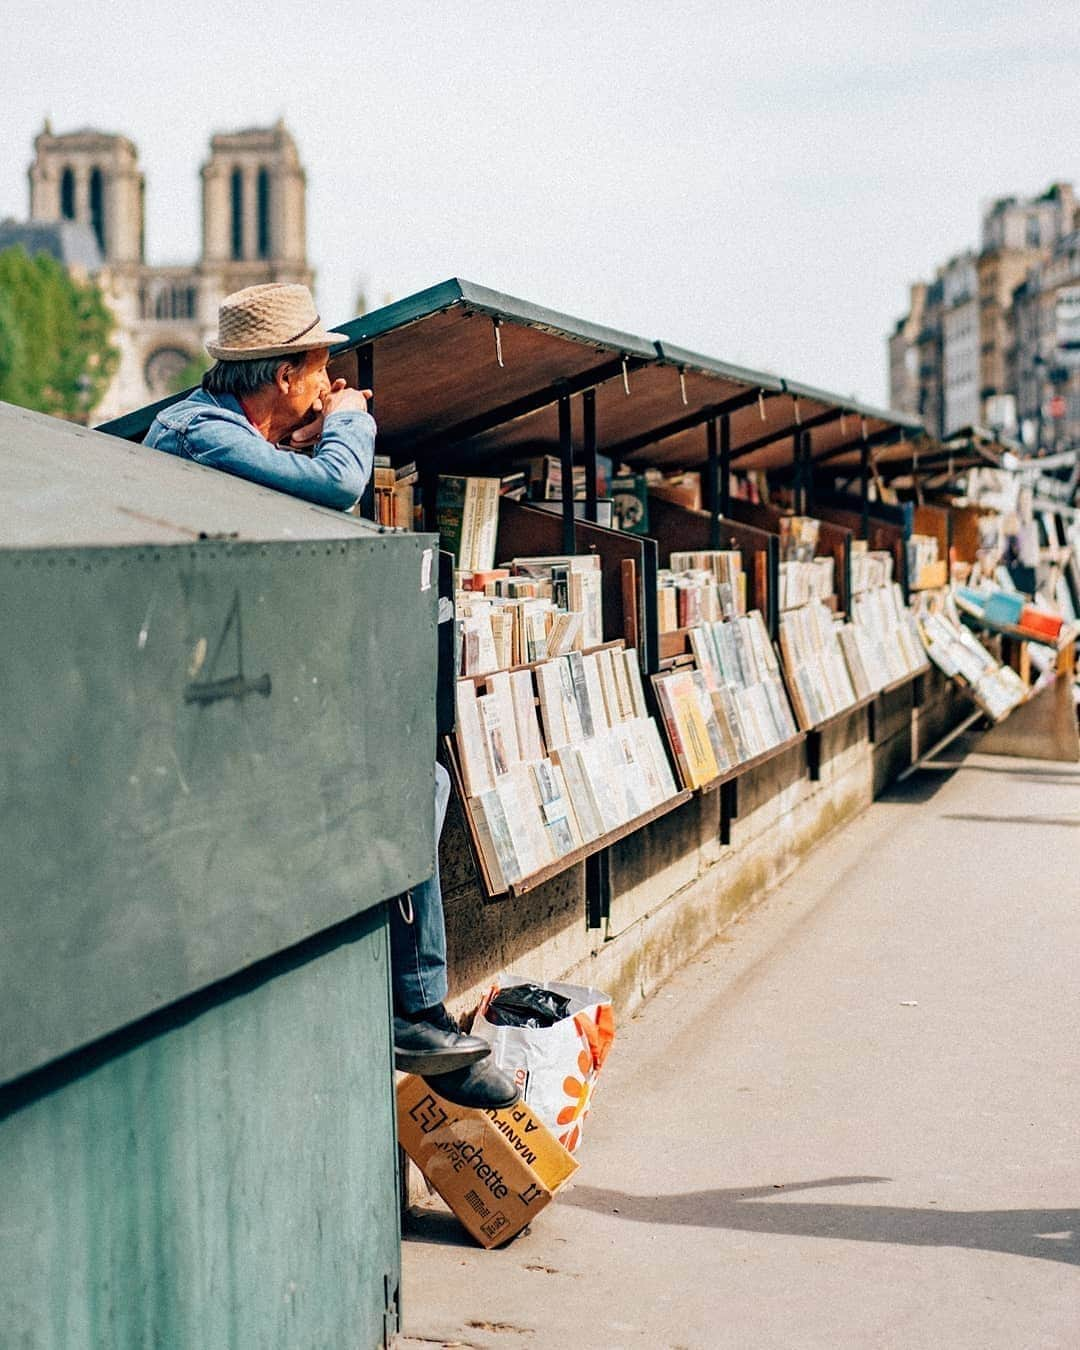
(467, 518)
(882, 642)
(922, 556)
(818, 676)
(798, 538)
(870, 568)
(396, 494)
(959, 654)
(801, 582)
(700, 588)
(542, 477)
(529, 610)
(537, 789)
(732, 707)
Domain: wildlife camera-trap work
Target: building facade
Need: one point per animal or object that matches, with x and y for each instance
(253, 230)
(985, 327)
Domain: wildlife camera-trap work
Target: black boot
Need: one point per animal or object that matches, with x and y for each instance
(429, 1042)
(483, 1087)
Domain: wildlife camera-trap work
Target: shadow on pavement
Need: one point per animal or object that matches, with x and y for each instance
(1049, 1234)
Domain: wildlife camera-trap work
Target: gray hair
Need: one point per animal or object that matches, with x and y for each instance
(247, 377)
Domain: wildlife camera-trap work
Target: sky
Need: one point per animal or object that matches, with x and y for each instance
(756, 181)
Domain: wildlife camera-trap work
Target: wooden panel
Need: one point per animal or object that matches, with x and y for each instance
(834, 540)
(526, 531)
(677, 528)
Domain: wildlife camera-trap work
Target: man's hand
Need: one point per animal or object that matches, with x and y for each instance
(339, 399)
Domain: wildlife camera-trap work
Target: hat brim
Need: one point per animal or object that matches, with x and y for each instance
(309, 342)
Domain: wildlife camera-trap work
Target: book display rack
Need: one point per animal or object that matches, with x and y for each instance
(730, 709)
(556, 760)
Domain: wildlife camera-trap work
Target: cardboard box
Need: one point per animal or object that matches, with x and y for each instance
(495, 1169)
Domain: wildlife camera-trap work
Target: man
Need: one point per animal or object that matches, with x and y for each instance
(267, 411)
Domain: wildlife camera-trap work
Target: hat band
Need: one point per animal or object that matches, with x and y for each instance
(304, 331)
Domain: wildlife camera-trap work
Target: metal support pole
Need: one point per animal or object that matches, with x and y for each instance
(566, 455)
(713, 483)
(365, 368)
(597, 888)
(800, 490)
(725, 464)
(808, 471)
(864, 489)
(588, 413)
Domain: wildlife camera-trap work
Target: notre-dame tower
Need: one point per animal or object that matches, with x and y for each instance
(253, 230)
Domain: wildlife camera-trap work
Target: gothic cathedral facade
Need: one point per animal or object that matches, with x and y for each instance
(253, 230)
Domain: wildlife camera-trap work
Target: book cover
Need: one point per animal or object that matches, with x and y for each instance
(549, 685)
(530, 746)
(471, 743)
(597, 703)
(576, 664)
(566, 760)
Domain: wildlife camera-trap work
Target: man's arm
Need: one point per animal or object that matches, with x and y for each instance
(335, 475)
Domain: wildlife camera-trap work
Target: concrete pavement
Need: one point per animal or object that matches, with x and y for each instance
(852, 1123)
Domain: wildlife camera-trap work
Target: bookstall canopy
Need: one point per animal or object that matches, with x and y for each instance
(452, 362)
(763, 433)
(935, 464)
(661, 409)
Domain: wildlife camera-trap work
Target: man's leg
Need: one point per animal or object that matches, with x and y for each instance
(418, 930)
(426, 1038)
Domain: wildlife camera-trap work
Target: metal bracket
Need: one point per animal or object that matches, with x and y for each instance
(729, 808)
(813, 755)
(597, 889)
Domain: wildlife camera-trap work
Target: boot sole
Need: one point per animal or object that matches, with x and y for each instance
(431, 1063)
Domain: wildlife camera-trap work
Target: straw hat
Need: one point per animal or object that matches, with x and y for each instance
(274, 320)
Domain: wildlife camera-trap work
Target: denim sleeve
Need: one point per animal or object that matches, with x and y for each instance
(334, 476)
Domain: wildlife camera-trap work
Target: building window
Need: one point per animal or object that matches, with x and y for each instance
(264, 212)
(97, 207)
(67, 194)
(237, 213)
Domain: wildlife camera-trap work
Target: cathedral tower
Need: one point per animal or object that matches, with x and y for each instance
(254, 226)
(91, 177)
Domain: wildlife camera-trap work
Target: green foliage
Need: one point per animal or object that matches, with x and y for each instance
(191, 374)
(56, 353)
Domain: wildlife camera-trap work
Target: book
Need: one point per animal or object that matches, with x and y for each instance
(471, 742)
(467, 518)
(682, 712)
(589, 823)
(630, 501)
(530, 746)
(495, 839)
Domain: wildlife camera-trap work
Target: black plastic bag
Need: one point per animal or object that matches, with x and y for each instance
(527, 1005)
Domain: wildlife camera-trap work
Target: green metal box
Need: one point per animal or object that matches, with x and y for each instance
(217, 720)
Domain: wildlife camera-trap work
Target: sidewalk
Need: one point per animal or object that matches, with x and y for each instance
(852, 1123)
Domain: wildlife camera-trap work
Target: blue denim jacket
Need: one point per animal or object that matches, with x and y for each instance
(212, 429)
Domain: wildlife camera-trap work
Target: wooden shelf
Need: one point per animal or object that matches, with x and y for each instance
(909, 678)
(746, 765)
(558, 865)
(578, 855)
(855, 707)
(531, 665)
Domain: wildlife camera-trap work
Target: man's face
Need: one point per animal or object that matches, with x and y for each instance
(301, 390)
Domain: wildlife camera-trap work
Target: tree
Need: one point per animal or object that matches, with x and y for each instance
(56, 353)
(191, 374)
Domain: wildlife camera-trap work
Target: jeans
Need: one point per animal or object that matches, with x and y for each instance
(418, 931)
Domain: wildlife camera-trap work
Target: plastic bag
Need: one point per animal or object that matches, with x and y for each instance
(555, 1066)
(527, 1005)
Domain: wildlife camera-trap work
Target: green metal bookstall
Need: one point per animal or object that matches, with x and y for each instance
(218, 738)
